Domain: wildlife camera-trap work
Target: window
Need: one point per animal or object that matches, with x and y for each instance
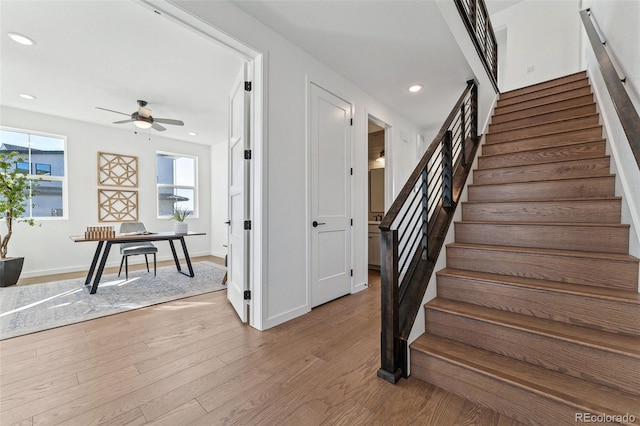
(176, 177)
(44, 159)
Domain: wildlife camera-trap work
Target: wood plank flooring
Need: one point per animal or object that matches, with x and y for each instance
(192, 362)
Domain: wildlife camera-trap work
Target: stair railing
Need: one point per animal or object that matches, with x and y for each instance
(624, 107)
(476, 19)
(414, 228)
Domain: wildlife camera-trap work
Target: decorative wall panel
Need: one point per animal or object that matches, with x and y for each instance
(117, 205)
(117, 170)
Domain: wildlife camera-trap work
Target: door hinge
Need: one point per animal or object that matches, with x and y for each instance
(351, 171)
(351, 121)
(247, 154)
(247, 295)
(247, 224)
(247, 86)
(351, 222)
(352, 272)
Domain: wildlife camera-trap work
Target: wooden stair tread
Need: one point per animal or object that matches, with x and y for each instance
(537, 163)
(523, 141)
(547, 112)
(550, 252)
(529, 126)
(579, 163)
(558, 224)
(551, 179)
(579, 393)
(547, 201)
(547, 108)
(610, 294)
(602, 340)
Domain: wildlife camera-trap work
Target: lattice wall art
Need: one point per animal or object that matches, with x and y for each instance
(117, 205)
(117, 170)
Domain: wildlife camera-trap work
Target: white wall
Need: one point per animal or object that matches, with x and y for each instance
(288, 70)
(618, 22)
(47, 248)
(219, 198)
(543, 41)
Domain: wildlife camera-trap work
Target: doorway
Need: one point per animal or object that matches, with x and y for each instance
(376, 176)
(245, 263)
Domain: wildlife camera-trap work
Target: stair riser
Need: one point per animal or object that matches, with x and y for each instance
(567, 103)
(587, 211)
(588, 135)
(576, 270)
(543, 129)
(581, 310)
(581, 361)
(569, 94)
(607, 239)
(545, 85)
(525, 406)
(540, 172)
(532, 119)
(597, 187)
(551, 91)
(590, 150)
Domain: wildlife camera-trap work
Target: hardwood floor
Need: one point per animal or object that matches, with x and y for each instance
(192, 362)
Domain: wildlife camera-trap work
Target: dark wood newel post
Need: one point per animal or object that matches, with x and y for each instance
(389, 339)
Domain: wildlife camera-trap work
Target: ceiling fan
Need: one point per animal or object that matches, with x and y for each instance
(142, 118)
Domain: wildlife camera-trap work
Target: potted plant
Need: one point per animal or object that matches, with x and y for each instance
(15, 192)
(179, 215)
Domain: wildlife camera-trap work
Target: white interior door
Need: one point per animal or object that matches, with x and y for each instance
(238, 257)
(330, 162)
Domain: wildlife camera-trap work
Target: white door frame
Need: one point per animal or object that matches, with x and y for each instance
(255, 63)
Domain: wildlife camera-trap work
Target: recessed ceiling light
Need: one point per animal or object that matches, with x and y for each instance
(19, 38)
(27, 96)
(415, 88)
(192, 134)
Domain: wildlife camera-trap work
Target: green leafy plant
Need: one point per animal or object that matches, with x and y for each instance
(16, 190)
(180, 214)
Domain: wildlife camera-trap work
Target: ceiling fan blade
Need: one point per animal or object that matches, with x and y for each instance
(110, 110)
(169, 121)
(158, 127)
(123, 121)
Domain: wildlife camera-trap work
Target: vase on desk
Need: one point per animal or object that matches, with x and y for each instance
(181, 228)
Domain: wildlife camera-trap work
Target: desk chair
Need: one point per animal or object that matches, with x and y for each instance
(133, 249)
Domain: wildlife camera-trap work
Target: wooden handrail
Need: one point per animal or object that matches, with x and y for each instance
(622, 103)
(414, 228)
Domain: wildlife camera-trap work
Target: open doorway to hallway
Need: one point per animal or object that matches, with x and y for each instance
(377, 131)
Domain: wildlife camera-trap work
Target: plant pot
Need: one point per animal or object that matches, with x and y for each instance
(181, 228)
(10, 270)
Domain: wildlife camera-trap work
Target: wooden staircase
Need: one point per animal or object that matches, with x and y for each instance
(538, 311)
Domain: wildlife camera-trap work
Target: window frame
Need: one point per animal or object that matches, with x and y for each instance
(63, 179)
(195, 214)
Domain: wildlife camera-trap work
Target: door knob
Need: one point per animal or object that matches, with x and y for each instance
(316, 223)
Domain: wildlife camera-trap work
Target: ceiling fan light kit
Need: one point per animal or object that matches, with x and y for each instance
(142, 118)
(142, 123)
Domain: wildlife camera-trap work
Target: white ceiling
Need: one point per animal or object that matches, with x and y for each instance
(109, 54)
(382, 46)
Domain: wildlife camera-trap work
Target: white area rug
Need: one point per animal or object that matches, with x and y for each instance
(31, 308)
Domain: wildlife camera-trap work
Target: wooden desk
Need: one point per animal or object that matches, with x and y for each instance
(122, 238)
